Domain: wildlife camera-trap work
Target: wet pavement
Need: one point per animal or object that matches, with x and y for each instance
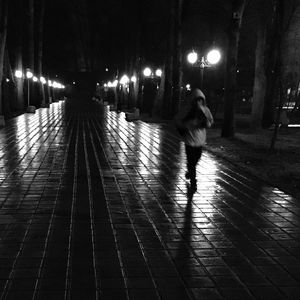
(94, 207)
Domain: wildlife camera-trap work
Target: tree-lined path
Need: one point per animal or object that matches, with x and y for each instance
(94, 207)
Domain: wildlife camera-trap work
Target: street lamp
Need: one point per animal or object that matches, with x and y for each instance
(158, 72)
(147, 72)
(18, 73)
(43, 80)
(192, 57)
(29, 75)
(115, 83)
(212, 58)
(124, 80)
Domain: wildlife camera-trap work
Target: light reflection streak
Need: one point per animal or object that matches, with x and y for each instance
(145, 141)
(26, 138)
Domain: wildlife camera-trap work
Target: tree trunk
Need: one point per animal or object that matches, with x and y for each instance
(177, 59)
(18, 62)
(8, 93)
(271, 64)
(79, 18)
(19, 81)
(30, 30)
(168, 95)
(260, 84)
(29, 64)
(3, 34)
(136, 71)
(40, 51)
(231, 67)
(279, 22)
(157, 106)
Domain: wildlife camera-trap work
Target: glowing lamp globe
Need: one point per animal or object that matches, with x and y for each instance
(147, 72)
(29, 74)
(124, 79)
(213, 56)
(18, 74)
(192, 57)
(158, 72)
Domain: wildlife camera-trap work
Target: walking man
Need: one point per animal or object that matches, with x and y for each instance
(191, 123)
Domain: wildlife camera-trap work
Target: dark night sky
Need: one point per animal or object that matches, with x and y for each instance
(113, 26)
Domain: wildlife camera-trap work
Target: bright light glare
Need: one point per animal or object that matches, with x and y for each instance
(213, 56)
(124, 79)
(133, 78)
(192, 57)
(188, 87)
(34, 78)
(49, 82)
(158, 72)
(55, 84)
(43, 80)
(18, 74)
(29, 74)
(115, 83)
(147, 72)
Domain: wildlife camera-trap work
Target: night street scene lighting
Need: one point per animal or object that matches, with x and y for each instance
(147, 72)
(30, 108)
(124, 80)
(158, 72)
(29, 74)
(212, 58)
(149, 150)
(43, 80)
(18, 74)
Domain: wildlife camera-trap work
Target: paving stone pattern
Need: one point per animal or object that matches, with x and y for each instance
(94, 207)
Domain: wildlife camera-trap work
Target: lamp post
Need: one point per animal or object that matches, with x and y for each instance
(45, 104)
(49, 84)
(212, 58)
(30, 108)
(29, 75)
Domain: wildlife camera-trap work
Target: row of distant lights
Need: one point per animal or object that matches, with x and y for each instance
(29, 75)
(125, 79)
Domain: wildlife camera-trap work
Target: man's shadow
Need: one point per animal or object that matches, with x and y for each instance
(184, 254)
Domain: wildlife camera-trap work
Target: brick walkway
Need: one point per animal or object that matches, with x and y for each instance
(94, 207)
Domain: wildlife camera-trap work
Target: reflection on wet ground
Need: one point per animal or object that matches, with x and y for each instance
(94, 207)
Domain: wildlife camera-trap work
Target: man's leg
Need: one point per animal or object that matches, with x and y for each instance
(191, 163)
(196, 154)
